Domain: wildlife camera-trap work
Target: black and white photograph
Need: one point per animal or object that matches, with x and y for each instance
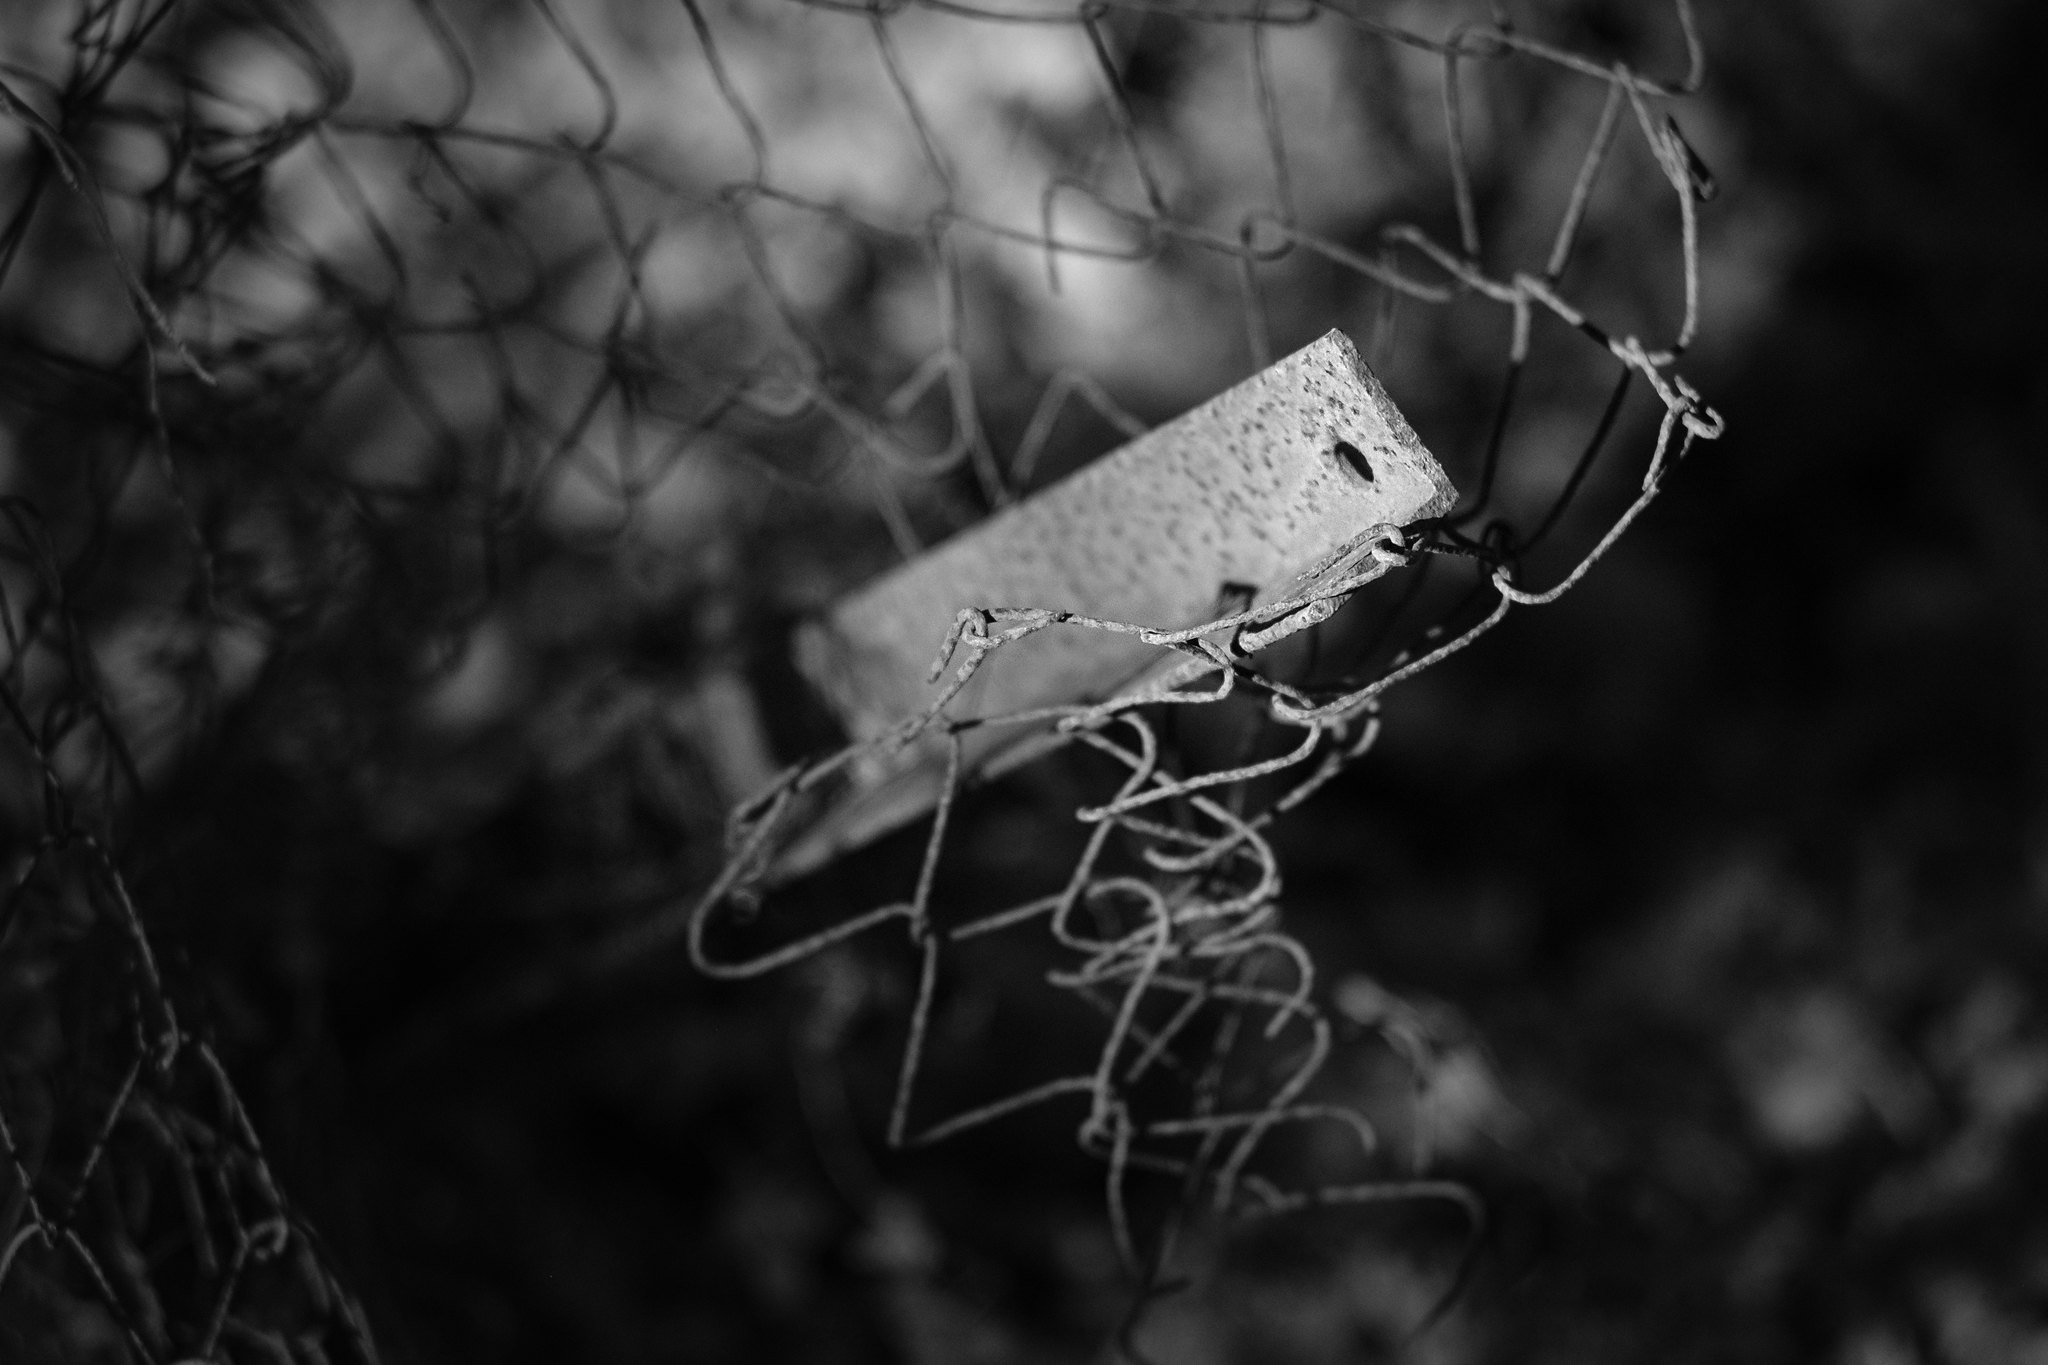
(1023, 682)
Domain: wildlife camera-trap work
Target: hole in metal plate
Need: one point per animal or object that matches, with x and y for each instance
(1354, 457)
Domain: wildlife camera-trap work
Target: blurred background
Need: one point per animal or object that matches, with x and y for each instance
(422, 425)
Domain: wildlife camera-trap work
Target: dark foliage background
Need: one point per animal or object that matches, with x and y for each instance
(1720, 889)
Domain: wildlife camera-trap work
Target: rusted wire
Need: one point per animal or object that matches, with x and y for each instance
(484, 271)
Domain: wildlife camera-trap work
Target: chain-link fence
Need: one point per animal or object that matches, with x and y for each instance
(355, 354)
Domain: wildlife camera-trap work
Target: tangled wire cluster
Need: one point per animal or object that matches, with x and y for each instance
(327, 329)
(1179, 958)
(1186, 958)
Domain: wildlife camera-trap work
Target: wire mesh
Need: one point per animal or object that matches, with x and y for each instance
(328, 326)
